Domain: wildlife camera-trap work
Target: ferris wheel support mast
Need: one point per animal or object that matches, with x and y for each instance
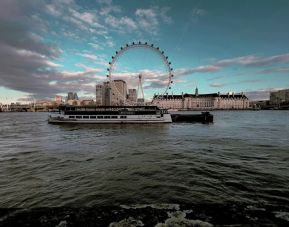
(140, 88)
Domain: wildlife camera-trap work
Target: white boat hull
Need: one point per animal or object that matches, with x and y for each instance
(130, 119)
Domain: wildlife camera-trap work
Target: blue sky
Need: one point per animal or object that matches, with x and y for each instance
(50, 47)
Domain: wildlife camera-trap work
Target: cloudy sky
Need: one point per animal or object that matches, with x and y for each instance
(50, 47)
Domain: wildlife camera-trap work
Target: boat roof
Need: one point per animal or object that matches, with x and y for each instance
(107, 107)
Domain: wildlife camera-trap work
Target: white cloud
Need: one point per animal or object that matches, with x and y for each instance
(219, 85)
(122, 24)
(261, 94)
(51, 9)
(94, 58)
(96, 46)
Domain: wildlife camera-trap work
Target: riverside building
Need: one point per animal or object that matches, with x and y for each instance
(212, 101)
(279, 97)
(111, 93)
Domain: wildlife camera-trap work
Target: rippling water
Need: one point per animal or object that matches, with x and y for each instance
(243, 157)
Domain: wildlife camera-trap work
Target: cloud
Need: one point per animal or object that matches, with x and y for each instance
(79, 74)
(156, 84)
(218, 85)
(121, 24)
(249, 81)
(252, 60)
(24, 58)
(199, 69)
(196, 13)
(275, 70)
(144, 20)
(248, 61)
(29, 64)
(99, 60)
(96, 46)
(261, 94)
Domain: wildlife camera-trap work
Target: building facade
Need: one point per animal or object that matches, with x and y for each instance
(98, 94)
(111, 93)
(213, 101)
(279, 97)
(118, 92)
(132, 95)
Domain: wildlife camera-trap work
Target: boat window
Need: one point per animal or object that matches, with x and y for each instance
(78, 116)
(122, 116)
(92, 117)
(106, 117)
(71, 116)
(86, 117)
(114, 117)
(99, 116)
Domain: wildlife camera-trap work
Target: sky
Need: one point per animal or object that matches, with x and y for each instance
(52, 47)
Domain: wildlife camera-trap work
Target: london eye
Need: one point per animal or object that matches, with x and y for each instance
(142, 80)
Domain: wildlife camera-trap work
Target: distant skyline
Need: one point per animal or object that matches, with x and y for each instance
(52, 47)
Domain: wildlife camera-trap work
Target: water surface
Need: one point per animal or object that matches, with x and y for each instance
(242, 158)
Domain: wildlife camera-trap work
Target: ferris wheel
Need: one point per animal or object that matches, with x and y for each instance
(165, 77)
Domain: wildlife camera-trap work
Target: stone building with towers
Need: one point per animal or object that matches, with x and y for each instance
(212, 101)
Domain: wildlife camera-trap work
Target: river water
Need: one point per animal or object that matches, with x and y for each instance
(242, 158)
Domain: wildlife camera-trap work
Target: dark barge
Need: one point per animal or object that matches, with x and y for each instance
(204, 117)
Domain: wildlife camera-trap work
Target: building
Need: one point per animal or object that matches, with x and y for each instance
(111, 93)
(213, 101)
(58, 99)
(72, 96)
(118, 92)
(106, 94)
(132, 95)
(87, 102)
(279, 97)
(98, 94)
(75, 96)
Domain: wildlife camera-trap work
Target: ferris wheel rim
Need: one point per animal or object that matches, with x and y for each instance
(156, 49)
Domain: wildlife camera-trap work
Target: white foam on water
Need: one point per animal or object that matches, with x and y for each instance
(178, 219)
(282, 215)
(128, 222)
(62, 224)
(161, 206)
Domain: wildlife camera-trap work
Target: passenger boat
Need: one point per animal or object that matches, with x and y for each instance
(109, 114)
